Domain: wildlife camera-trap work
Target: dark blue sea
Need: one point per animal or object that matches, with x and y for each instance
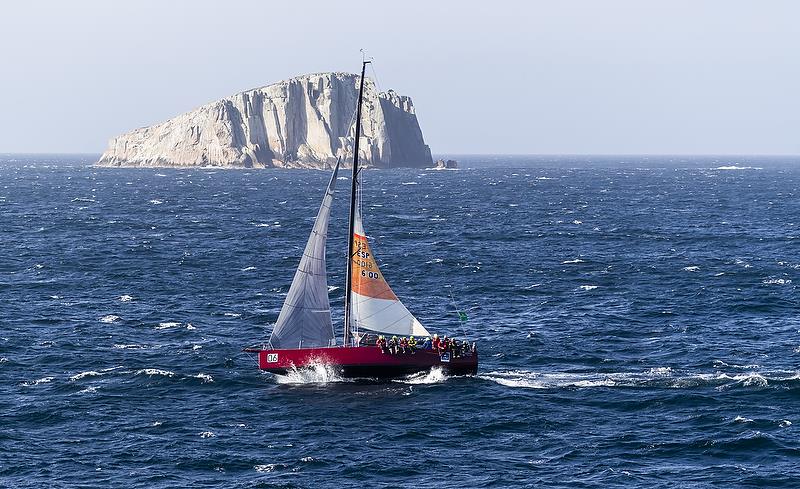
(637, 320)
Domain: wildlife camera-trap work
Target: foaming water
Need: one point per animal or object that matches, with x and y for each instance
(433, 376)
(656, 378)
(636, 321)
(316, 372)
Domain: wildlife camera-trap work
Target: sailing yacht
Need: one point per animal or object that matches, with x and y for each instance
(304, 335)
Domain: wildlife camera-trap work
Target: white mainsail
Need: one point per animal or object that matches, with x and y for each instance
(374, 305)
(305, 319)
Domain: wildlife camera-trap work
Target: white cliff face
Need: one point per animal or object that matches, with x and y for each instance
(307, 121)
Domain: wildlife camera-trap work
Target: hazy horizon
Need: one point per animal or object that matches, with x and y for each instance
(620, 77)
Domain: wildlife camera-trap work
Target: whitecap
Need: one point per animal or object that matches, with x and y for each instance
(777, 281)
(269, 467)
(577, 222)
(196, 347)
(90, 373)
(207, 434)
(43, 380)
(784, 423)
(168, 324)
(129, 347)
(409, 183)
(733, 167)
(249, 269)
(109, 318)
(692, 268)
(588, 287)
(155, 371)
(125, 298)
(435, 260)
(88, 390)
(568, 262)
(660, 371)
(232, 314)
(742, 419)
(205, 378)
(331, 288)
(155, 202)
(753, 380)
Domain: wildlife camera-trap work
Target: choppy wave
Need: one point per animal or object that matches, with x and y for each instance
(122, 346)
(43, 380)
(154, 372)
(93, 373)
(205, 378)
(565, 393)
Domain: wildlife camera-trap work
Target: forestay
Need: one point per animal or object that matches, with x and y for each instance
(374, 305)
(305, 319)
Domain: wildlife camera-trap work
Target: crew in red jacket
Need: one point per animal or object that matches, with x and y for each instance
(403, 345)
(381, 343)
(435, 343)
(444, 345)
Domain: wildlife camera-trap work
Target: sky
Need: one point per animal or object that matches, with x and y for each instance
(511, 77)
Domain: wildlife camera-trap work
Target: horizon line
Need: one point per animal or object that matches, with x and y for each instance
(778, 155)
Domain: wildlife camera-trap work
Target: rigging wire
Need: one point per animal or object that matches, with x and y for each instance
(463, 322)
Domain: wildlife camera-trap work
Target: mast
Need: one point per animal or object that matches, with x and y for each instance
(350, 251)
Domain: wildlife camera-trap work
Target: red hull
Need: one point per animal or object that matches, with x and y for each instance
(365, 361)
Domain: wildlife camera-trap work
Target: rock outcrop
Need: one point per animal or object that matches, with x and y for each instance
(306, 121)
(446, 165)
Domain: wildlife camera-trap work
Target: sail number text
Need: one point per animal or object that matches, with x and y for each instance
(365, 262)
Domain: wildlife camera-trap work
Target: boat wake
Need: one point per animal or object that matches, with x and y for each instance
(434, 376)
(315, 372)
(663, 377)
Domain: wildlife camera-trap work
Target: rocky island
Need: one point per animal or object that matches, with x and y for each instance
(304, 122)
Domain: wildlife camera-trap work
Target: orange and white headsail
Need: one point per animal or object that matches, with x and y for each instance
(374, 305)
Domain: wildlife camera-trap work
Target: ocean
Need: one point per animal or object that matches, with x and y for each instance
(636, 319)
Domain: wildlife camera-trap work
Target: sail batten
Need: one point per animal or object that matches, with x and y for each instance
(305, 318)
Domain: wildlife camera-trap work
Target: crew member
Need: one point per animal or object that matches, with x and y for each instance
(381, 343)
(455, 347)
(436, 342)
(412, 345)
